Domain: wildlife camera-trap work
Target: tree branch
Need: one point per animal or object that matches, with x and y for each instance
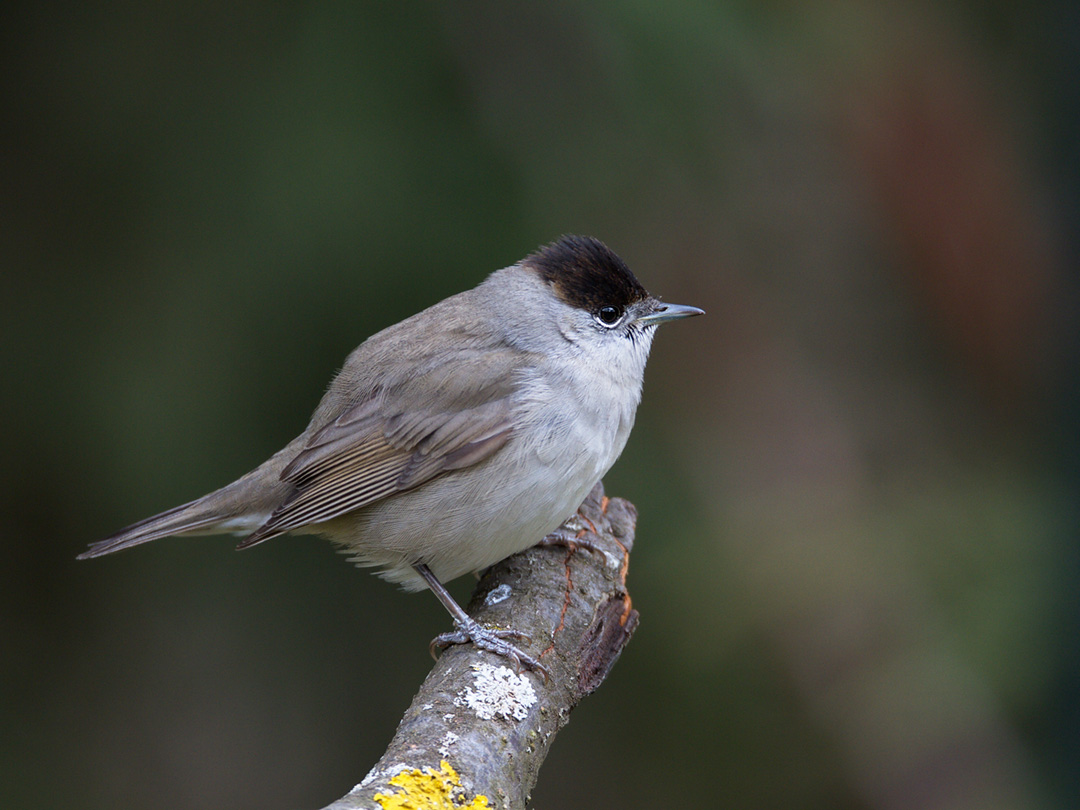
(477, 731)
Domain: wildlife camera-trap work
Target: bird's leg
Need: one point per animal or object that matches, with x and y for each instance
(468, 629)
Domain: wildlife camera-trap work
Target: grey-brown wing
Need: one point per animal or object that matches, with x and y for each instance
(364, 455)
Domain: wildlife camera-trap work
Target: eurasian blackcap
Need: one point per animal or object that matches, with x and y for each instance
(459, 436)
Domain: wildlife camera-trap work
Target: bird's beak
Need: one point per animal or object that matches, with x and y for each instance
(669, 312)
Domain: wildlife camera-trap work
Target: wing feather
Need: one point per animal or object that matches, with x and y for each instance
(364, 456)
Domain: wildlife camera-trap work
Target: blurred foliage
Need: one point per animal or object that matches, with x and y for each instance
(857, 564)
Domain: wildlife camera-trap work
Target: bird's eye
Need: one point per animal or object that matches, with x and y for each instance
(608, 316)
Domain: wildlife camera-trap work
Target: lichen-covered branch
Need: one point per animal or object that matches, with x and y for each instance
(477, 731)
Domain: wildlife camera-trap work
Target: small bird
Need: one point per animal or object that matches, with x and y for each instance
(459, 436)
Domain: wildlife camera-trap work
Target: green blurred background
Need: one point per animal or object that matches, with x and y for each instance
(856, 563)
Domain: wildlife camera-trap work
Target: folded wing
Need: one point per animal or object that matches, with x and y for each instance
(365, 455)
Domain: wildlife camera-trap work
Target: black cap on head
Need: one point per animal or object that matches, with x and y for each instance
(586, 273)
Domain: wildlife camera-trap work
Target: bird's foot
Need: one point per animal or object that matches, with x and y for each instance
(574, 534)
(494, 641)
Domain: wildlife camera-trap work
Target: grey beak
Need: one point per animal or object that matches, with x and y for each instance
(669, 312)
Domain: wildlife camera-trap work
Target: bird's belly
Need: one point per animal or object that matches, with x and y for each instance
(470, 519)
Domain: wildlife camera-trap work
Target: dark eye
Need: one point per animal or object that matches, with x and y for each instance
(608, 316)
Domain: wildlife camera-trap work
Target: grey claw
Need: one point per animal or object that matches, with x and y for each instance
(571, 540)
(492, 641)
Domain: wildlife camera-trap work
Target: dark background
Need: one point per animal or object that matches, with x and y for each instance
(857, 562)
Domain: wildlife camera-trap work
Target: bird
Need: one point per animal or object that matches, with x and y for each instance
(458, 436)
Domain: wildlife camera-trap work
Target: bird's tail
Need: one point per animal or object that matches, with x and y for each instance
(220, 512)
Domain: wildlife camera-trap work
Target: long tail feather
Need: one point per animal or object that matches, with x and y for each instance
(196, 517)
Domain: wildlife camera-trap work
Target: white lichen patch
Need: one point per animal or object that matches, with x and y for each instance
(496, 595)
(377, 773)
(498, 692)
(449, 738)
(367, 780)
(573, 524)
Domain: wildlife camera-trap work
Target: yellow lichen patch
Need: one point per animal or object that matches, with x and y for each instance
(429, 789)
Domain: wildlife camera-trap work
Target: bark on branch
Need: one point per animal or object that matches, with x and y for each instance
(477, 731)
